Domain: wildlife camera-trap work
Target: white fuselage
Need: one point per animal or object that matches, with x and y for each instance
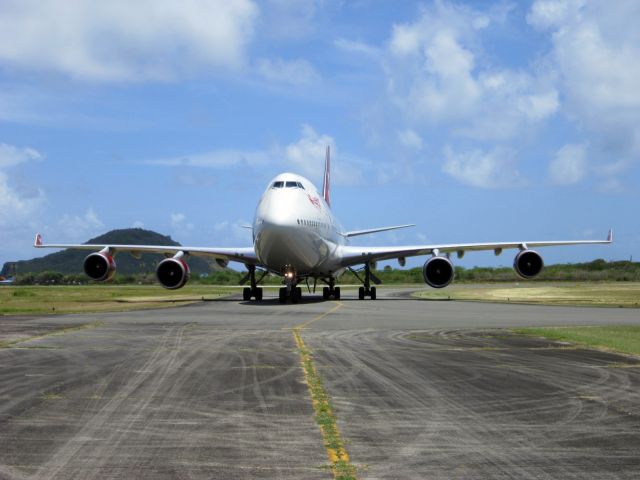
(294, 229)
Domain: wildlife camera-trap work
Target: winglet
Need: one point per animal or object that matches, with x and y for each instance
(38, 240)
(326, 187)
(610, 236)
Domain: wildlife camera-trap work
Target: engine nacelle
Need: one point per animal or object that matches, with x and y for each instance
(528, 263)
(438, 272)
(173, 273)
(99, 266)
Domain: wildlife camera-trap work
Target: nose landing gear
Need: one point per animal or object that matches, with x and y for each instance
(331, 291)
(290, 290)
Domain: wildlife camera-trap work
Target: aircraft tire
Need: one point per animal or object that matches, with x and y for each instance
(258, 294)
(336, 293)
(246, 294)
(282, 295)
(373, 293)
(325, 293)
(361, 293)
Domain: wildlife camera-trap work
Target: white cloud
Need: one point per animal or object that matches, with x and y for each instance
(10, 155)
(552, 13)
(215, 159)
(17, 204)
(291, 72)
(493, 169)
(289, 19)
(357, 47)
(435, 77)
(14, 206)
(80, 227)
(410, 139)
(306, 157)
(569, 165)
(596, 54)
(138, 224)
(125, 41)
(179, 222)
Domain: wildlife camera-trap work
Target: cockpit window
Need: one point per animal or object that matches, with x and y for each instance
(278, 184)
(292, 185)
(300, 185)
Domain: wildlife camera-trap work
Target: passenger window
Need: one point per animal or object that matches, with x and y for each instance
(277, 185)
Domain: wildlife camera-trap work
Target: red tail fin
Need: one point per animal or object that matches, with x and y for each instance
(326, 188)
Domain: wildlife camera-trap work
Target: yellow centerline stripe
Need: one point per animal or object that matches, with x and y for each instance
(319, 317)
(324, 414)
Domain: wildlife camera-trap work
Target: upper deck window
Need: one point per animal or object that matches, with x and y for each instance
(278, 184)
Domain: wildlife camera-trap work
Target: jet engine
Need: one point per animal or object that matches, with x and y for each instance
(173, 273)
(438, 272)
(99, 266)
(528, 263)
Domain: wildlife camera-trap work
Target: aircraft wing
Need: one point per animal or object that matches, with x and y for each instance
(244, 255)
(353, 255)
(375, 230)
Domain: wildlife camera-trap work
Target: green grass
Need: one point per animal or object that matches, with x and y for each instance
(608, 294)
(35, 300)
(324, 415)
(621, 338)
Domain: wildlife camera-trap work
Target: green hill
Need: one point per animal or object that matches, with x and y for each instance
(70, 261)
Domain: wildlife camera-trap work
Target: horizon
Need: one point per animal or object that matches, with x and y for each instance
(477, 121)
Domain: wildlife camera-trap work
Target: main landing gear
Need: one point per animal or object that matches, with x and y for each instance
(331, 291)
(253, 291)
(367, 290)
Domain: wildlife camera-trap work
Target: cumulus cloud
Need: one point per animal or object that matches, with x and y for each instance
(569, 165)
(178, 222)
(596, 54)
(17, 204)
(306, 157)
(493, 169)
(11, 155)
(80, 227)
(434, 76)
(16, 207)
(410, 139)
(125, 41)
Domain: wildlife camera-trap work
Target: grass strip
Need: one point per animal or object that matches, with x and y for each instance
(617, 338)
(324, 415)
(59, 299)
(592, 294)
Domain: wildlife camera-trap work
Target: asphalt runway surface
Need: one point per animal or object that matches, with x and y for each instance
(421, 389)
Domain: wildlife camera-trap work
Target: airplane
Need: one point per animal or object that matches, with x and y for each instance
(7, 281)
(296, 236)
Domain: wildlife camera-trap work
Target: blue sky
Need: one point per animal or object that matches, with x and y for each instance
(478, 121)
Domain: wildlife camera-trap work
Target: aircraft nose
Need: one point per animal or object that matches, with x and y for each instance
(278, 212)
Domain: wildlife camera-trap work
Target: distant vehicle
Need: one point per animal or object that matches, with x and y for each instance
(296, 236)
(7, 281)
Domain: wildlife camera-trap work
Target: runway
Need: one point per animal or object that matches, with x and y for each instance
(420, 389)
